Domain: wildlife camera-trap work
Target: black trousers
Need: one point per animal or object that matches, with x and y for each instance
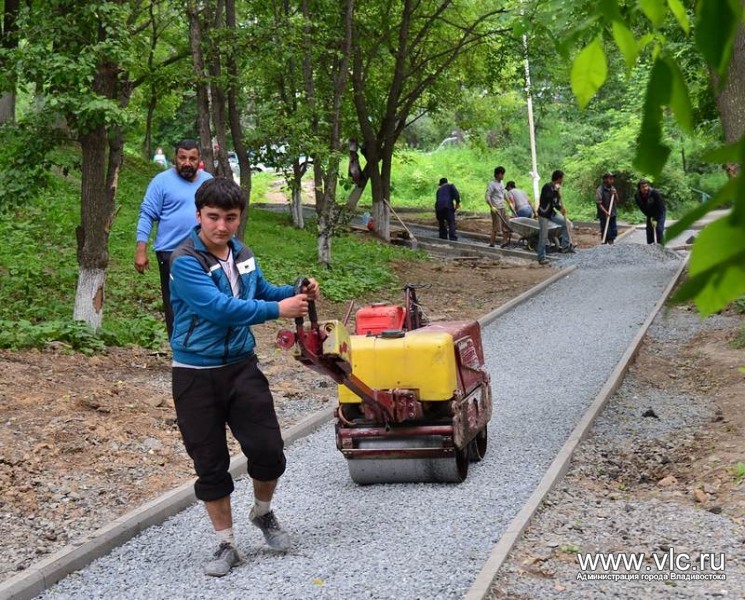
(238, 396)
(164, 268)
(446, 220)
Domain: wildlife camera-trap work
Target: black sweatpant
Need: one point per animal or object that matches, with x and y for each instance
(237, 395)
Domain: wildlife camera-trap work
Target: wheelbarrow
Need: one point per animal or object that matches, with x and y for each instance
(528, 229)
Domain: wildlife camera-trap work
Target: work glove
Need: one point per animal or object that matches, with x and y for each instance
(493, 210)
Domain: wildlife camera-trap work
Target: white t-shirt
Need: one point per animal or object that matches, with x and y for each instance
(228, 266)
(495, 194)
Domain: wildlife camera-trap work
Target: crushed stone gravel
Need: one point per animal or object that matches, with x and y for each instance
(581, 515)
(548, 359)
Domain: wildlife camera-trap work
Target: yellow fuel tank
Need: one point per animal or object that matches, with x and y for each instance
(420, 360)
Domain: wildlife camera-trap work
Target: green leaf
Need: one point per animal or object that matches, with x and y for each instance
(680, 13)
(717, 267)
(723, 195)
(609, 9)
(589, 72)
(651, 153)
(714, 289)
(719, 242)
(730, 153)
(655, 10)
(626, 44)
(717, 22)
(680, 101)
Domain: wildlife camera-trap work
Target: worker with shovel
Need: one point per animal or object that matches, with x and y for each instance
(606, 198)
(650, 202)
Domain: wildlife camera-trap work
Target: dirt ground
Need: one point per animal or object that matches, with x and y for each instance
(86, 439)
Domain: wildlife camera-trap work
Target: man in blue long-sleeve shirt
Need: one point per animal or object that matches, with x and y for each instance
(169, 201)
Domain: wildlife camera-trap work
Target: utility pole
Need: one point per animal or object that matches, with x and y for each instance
(531, 126)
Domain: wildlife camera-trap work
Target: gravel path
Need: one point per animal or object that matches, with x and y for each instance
(590, 512)
(548, 359)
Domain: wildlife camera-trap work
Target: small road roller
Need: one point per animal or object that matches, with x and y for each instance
(414, 398)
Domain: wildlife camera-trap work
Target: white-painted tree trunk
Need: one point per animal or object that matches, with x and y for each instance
(89, 297)
(296, 206)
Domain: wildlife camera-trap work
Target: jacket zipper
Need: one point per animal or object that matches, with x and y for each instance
(192, 326)
(227, 345)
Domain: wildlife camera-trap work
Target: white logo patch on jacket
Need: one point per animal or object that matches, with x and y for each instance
(246, 266)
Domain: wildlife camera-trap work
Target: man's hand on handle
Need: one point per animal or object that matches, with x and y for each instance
(297, 305)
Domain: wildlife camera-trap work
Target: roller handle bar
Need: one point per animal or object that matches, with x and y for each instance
(312, 314)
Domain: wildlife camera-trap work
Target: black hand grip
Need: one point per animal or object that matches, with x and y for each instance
(300, 283)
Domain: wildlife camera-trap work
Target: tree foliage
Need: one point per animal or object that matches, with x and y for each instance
(717, 266)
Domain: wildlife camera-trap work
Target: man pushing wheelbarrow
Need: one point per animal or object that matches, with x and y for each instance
(551, 210)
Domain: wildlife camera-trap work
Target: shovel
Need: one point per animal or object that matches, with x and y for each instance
(414, 241)
(607, 221)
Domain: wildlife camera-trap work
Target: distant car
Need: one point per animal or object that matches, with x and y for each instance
(236, 167)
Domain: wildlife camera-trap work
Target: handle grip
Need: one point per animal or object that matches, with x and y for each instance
(300, 283)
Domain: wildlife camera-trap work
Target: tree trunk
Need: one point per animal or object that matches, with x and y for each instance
(234, 115)
(96, 217)
(203, 97)
(218, 96)
(9, 41)
(296, 195)
(323, 241)
(730, 97)
(147, 143)
(7, 107)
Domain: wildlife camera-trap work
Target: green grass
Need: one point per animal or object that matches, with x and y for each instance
(38, 266)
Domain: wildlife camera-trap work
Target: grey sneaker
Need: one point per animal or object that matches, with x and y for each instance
(225, 559)
(276, 537)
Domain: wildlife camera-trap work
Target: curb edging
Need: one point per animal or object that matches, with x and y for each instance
(482, 585)
(80, 553)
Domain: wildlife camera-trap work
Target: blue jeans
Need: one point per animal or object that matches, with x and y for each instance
(543, 233)
(657, 228)
(525, 211)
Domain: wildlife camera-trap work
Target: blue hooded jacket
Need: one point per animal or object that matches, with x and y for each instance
(210, 326)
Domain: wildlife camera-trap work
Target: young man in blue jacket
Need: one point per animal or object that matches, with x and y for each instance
(217, 292)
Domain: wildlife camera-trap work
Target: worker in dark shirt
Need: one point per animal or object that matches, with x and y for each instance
(447, 201)
(552, 210)
(650, 202)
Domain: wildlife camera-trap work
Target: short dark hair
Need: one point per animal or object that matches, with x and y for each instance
(186, 144)
(510, 185)
(498, 170)
(557, 174)
(443, 180)
(220, 192)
